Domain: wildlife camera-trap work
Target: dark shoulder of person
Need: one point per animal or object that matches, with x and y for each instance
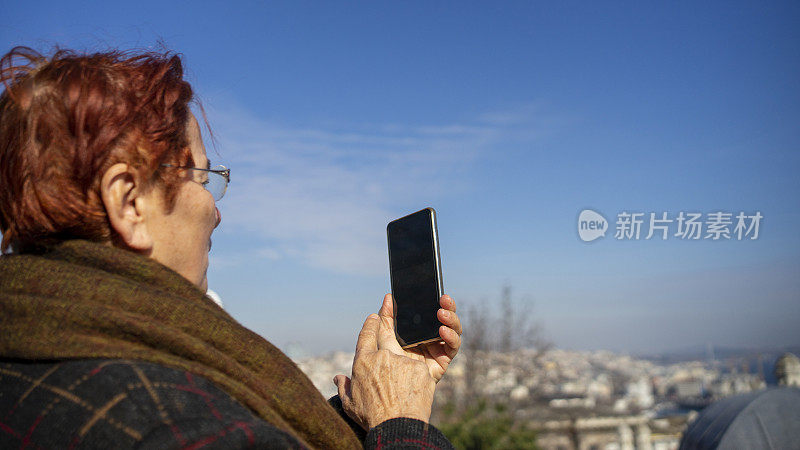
(118, 403)
(123, 404)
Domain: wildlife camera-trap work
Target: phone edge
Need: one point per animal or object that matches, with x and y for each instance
(436, 251)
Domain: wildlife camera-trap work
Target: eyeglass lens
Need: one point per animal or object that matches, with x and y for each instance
(217, 184)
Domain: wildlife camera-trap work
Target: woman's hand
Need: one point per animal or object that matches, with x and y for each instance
(436, 355)
(385, 385)
(390, 382)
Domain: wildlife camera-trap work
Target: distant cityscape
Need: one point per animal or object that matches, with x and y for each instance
(594, 400)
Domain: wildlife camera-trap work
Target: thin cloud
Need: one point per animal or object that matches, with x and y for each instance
(323, 196)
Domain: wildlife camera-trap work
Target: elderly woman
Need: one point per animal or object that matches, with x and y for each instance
(107, 206)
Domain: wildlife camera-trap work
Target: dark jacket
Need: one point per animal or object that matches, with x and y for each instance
(115, 403)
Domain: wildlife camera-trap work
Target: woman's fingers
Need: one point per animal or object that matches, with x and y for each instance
(449, 319)
(342, 383)
(442, 355)
(344, 387)
(447, 303)
(368, 336)
(450, 337)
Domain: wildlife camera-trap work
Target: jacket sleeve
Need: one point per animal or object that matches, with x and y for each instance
(404, 433)
(400, 433)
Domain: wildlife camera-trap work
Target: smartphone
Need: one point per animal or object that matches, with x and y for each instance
(416, 275)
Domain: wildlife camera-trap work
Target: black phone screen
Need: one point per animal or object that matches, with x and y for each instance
(415, 276)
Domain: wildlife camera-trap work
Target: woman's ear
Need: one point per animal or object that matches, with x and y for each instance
(125, 205)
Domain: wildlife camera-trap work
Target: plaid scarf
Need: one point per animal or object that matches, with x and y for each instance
(80, 299)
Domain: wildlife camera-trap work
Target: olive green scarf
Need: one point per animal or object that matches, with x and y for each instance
(80, 299)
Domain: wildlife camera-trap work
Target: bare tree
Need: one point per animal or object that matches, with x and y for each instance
(475, 342)
(477, 323)
(518, 328)
(505, 328)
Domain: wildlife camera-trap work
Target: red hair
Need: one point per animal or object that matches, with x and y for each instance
(65, 119)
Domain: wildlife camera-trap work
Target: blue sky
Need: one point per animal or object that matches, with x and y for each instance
(508, 118)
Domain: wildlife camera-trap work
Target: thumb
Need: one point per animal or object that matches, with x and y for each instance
(387, 307)
(387, 339)
(386, 312)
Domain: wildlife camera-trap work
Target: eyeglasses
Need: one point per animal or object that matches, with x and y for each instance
(216, 179)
